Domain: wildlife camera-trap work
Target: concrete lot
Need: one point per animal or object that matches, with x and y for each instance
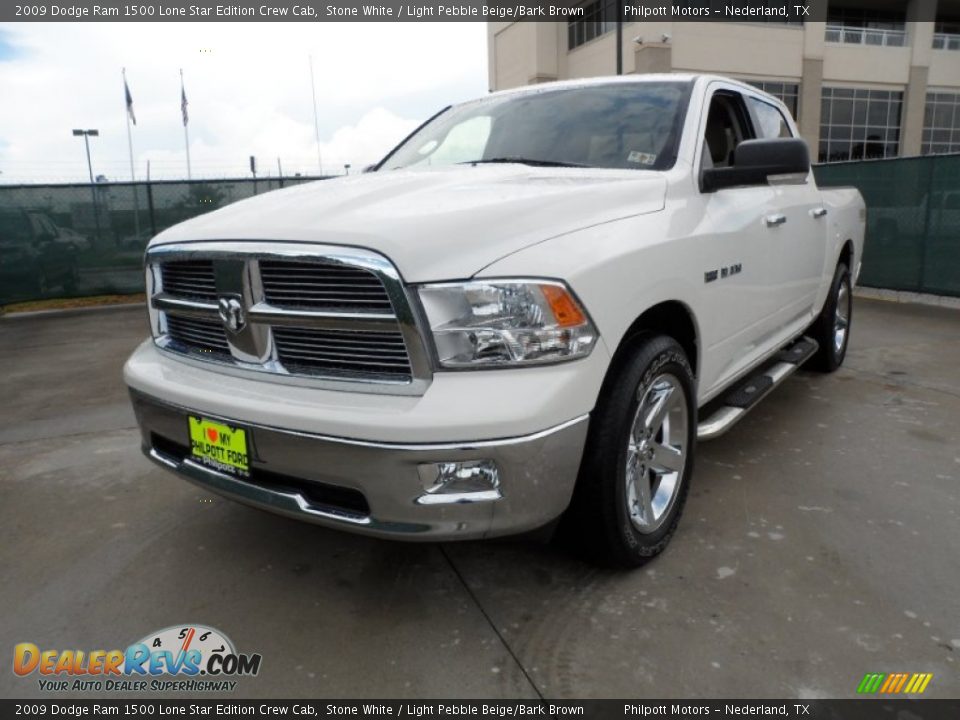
(820, 542)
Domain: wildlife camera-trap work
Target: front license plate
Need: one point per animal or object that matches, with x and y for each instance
(219, 446)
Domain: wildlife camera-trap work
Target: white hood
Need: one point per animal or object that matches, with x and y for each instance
(436, 224)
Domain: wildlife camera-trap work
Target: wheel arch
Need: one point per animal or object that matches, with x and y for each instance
(847, 255)
(672, 318)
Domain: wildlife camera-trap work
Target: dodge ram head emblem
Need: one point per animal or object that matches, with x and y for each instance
(231, 312)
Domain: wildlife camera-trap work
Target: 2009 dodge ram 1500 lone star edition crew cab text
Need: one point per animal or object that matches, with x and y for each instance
(529, 310)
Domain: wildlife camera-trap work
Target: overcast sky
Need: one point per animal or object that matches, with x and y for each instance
(248, 88)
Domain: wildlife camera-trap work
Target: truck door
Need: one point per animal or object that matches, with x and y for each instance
(734, 251)
(797, 231)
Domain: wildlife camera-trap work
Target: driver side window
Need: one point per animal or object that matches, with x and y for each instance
(727, 126)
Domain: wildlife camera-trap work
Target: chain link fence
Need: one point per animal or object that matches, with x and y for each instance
(80, 240)
(913, 220)
(59, 241)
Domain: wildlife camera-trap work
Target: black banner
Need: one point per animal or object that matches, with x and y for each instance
(873, 709)
(793, 11)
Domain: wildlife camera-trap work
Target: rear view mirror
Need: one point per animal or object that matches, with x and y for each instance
(754, 161)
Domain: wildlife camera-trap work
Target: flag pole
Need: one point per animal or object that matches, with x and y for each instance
(316, 122)
(186, 131)
(186, 140)
(133, 176)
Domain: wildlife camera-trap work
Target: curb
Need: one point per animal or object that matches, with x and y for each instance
(71, 311)
(905, 296)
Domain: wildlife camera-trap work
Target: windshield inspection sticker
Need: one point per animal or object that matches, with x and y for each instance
(641, 157)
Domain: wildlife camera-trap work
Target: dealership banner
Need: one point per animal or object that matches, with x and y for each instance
(771, 11)
(458, 709)
(789, 11)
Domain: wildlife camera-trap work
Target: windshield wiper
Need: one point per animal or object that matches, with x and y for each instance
(523, 161)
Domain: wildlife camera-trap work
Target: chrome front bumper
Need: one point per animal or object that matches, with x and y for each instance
(379, 489)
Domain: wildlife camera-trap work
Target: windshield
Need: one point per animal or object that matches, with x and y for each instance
(632, 125)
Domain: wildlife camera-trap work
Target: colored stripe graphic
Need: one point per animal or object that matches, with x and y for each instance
(894, 683)
(870, 683)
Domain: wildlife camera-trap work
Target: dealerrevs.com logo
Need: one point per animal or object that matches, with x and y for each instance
(188, 658)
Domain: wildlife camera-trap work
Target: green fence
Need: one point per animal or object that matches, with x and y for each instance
(913, 220)
(79, 240)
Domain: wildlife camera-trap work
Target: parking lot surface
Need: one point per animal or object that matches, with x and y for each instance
(820, 542)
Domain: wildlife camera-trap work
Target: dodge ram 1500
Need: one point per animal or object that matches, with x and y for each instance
(530, 310)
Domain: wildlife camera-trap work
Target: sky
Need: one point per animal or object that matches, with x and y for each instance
(248, 91)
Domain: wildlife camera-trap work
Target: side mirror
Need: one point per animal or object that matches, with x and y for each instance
(754, 161)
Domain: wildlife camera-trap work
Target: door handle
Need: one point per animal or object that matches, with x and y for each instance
(818, 212)
(774, 220)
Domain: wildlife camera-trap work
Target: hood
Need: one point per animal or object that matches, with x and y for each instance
(435, 224)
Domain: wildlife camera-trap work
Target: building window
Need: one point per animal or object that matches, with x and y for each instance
(859, 26)
(599, 17)
(946, 35)
(858, 124)
(941, 123)
(787, 93)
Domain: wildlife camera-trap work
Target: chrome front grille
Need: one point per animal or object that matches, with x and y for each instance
(302, 312)
(190, 278)
(194, 334)
(322, 286)
(337, 352)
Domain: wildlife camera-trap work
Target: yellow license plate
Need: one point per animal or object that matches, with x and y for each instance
(219, 446)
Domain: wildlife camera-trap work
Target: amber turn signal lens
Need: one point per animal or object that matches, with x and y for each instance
(565, 308)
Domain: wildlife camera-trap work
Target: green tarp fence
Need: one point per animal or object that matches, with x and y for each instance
(59, 241)
(80, 240)
(913, 220)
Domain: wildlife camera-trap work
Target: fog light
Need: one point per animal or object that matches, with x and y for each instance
(453, 482)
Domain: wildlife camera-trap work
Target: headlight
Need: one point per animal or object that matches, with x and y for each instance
(506, 323)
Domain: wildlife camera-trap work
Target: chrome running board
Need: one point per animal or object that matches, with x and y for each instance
(744, 396)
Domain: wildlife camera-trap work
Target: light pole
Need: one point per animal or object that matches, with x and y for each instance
(86, 135)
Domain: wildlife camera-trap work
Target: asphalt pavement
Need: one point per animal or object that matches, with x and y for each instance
(820, 542)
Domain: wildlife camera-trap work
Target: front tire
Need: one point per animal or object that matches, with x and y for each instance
(638, 462)
(831, 329)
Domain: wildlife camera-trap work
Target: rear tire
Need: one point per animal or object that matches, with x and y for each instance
(831, 329)
(638, 462)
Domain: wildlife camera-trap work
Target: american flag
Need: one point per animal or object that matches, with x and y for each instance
(126, 90)
(183, 101)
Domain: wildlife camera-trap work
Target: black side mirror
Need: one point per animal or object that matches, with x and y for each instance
(754, 161)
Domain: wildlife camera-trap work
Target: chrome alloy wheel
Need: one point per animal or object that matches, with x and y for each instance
(841, 316)
(656, 452)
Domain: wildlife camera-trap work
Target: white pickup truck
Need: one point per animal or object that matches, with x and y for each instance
(530, 310)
